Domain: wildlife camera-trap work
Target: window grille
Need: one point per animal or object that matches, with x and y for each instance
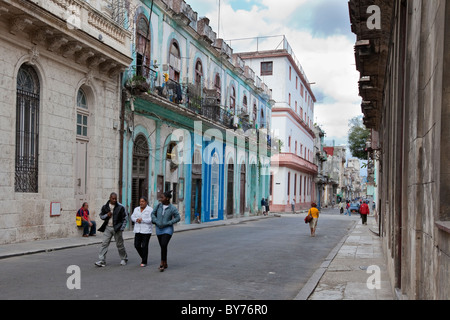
(27, 131)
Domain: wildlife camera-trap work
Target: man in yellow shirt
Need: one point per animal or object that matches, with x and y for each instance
(314, 213)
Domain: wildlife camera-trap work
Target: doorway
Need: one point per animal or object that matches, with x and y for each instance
(140, 171)
(242, 195)
(230, 190)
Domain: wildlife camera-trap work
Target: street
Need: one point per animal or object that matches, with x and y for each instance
(269, 259)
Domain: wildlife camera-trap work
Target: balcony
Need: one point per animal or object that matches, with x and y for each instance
(294, 162)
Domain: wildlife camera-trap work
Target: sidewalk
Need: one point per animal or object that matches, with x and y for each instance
(344, 274)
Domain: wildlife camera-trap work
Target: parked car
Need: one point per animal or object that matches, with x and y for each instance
(354, 207)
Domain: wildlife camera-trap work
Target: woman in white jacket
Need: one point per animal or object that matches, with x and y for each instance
(142, 218)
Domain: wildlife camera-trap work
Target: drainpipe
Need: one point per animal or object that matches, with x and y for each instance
(122, 133)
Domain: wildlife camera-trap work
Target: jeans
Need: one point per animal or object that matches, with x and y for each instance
(163, 240)
(85, 226)
(108, 234)
(141, 241)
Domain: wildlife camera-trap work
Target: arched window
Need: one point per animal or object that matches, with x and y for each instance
(255, 112)
(82, 114)
(233, 99)
(174, 61)
(172, 152)
(27, 130)
(143, 46)
(198, 72)
(244, 102)
(217, 84)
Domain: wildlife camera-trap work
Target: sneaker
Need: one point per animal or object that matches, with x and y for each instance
(123, 262)
(100, 263)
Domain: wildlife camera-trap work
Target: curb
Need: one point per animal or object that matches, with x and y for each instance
(311, 284)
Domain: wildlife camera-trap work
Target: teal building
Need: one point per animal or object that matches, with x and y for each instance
(195, 119)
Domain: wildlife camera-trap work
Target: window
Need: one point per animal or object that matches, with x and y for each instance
(244, 102)
(82, 114)
(233, 99)
(267, 68)
(174, 62)
(217, 84)
(27, 130)
(198, 72)
(172, 152)
(143, 47)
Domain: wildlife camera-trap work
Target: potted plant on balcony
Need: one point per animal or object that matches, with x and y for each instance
(137, 83)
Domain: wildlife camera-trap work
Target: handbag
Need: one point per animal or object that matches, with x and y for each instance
(79, 223)
(308, 218)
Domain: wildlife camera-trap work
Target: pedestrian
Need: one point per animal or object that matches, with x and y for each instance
(164, 216)
(341, 207)
(142, 218)
(348, 208)
(263, 206)
(115, 220)
(364, 211)
(86, 221)
(314, 213)
(267, 206)
(293, 205)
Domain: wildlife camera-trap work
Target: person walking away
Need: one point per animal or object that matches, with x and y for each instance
(115, 220)
(142, 218)
(293, 205)
(364, 211)
(314, 213)
(263, 206)
(267, 206)
(164, 216)
(86, 221)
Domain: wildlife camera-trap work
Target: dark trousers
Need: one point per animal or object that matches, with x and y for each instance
(141, 241)
(163, 243)
(364, 218)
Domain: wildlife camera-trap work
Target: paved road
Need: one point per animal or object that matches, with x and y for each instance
(269, 259)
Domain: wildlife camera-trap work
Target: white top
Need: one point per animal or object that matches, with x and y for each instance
(145, 226)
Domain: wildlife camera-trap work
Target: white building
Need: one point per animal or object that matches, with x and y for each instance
(60, 65)
(293, 169)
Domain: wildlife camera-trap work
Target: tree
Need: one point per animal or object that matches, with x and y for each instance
(357, 138)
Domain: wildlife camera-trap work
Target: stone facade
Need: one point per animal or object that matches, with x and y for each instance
(405, 85)
(61, 59)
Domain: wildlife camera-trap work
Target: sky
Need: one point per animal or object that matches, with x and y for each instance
(319, 33)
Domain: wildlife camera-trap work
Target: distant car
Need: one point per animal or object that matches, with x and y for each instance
(354, 207)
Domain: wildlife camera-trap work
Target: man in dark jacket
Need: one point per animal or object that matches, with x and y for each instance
(115, 221)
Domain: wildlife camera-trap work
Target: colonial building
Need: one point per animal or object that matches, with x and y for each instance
(403, 55)
(293, 169)
(59, 113)
(196, 118)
